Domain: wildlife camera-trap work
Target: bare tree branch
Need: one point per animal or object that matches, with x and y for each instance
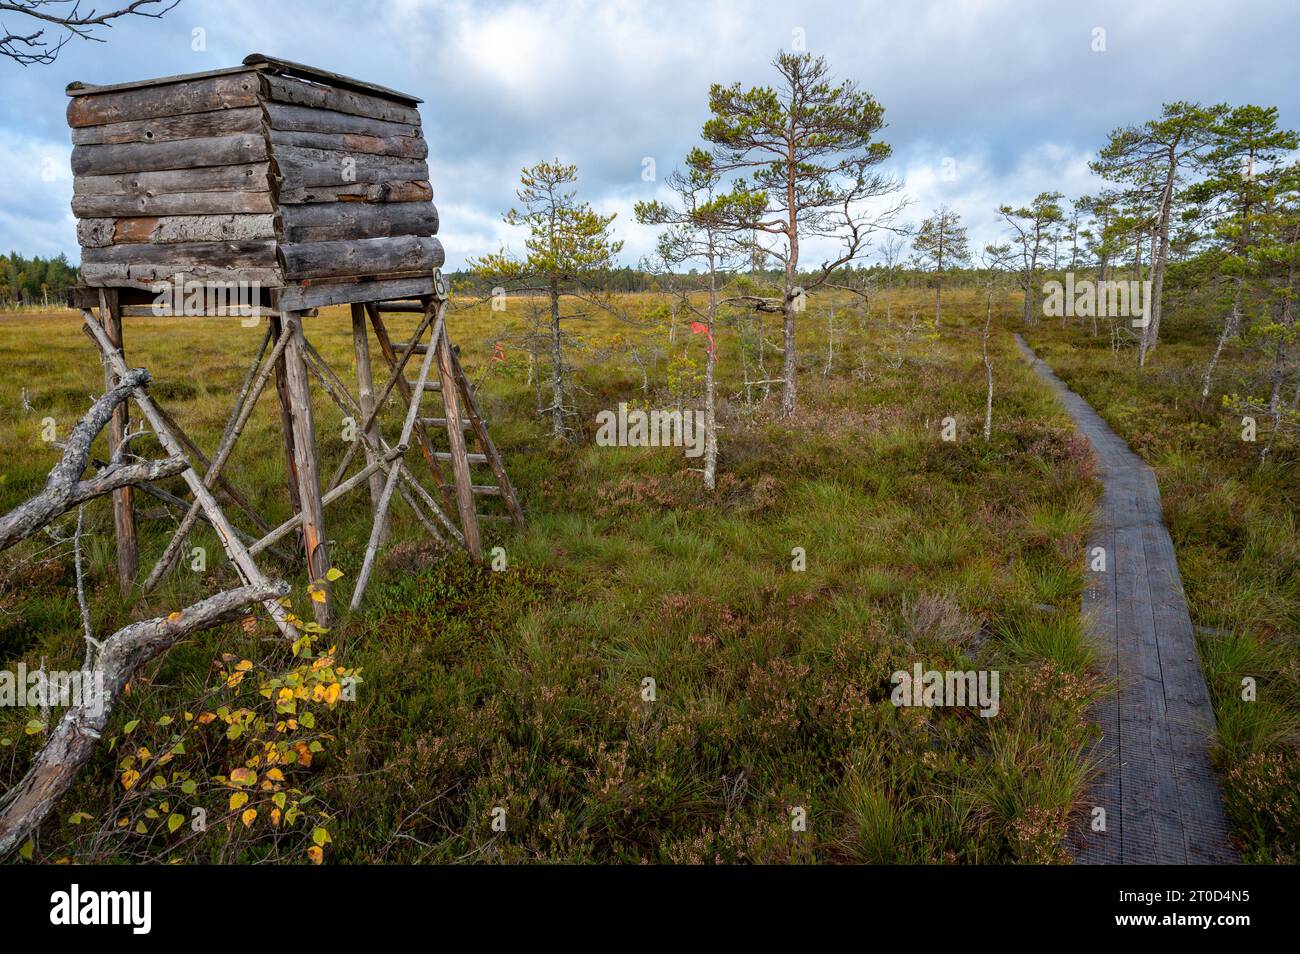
(31, 48)
(112, 663)
(64, 488)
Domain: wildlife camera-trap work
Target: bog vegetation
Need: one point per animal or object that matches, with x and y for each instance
(686, 660)
(524, 689)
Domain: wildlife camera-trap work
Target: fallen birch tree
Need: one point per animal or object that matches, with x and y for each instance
(109, 664)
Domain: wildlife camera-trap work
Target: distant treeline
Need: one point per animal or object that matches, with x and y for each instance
(630, 279)
(34, 281)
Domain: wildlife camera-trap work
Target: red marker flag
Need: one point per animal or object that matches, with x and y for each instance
(700, 328)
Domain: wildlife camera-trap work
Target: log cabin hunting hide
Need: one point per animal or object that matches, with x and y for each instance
(269, 172)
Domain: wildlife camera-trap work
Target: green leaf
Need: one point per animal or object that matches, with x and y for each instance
(189, 787)
(26, 851)
(174, 821)
(130, 726)
(34, 726)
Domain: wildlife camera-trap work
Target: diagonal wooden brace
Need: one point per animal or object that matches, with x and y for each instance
(377, 447)
(251, 391)
(244, 564)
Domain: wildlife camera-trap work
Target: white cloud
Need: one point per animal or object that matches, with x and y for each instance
(1012, 92)
(36, 217)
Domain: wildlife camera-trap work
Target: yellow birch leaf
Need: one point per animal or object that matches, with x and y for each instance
(243, 776)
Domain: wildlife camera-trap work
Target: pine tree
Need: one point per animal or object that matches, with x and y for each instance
(569, 245)
(699, 229)
(809, 148)
(1240, 179)
(941, 240)
(1032, 225)
(1157, 154)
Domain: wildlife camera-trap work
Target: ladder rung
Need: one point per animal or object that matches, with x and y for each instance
(493, 517)
(486, 490)
(437, 386)
(465, 422)
(472, 458)
(400, 346)
(401, 306)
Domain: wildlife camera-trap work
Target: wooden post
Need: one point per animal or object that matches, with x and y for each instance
(459, 462)
(366, 399)
(128, 555)
(306, 467)
(378, 450)
(286, 421)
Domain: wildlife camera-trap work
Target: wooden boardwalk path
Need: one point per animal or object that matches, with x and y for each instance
(1155, 781)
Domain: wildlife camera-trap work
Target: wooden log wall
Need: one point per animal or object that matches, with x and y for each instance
(250, 176)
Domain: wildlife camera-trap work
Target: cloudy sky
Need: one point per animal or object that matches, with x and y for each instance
(987, 102)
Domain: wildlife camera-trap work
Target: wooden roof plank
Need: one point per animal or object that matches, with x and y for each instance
(78, 88)
(254, 62)
(303, 71)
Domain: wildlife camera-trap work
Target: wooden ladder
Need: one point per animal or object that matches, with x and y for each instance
(461, 414)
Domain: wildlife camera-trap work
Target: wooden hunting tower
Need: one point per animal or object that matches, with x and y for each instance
(271, 172)
(275, 189)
